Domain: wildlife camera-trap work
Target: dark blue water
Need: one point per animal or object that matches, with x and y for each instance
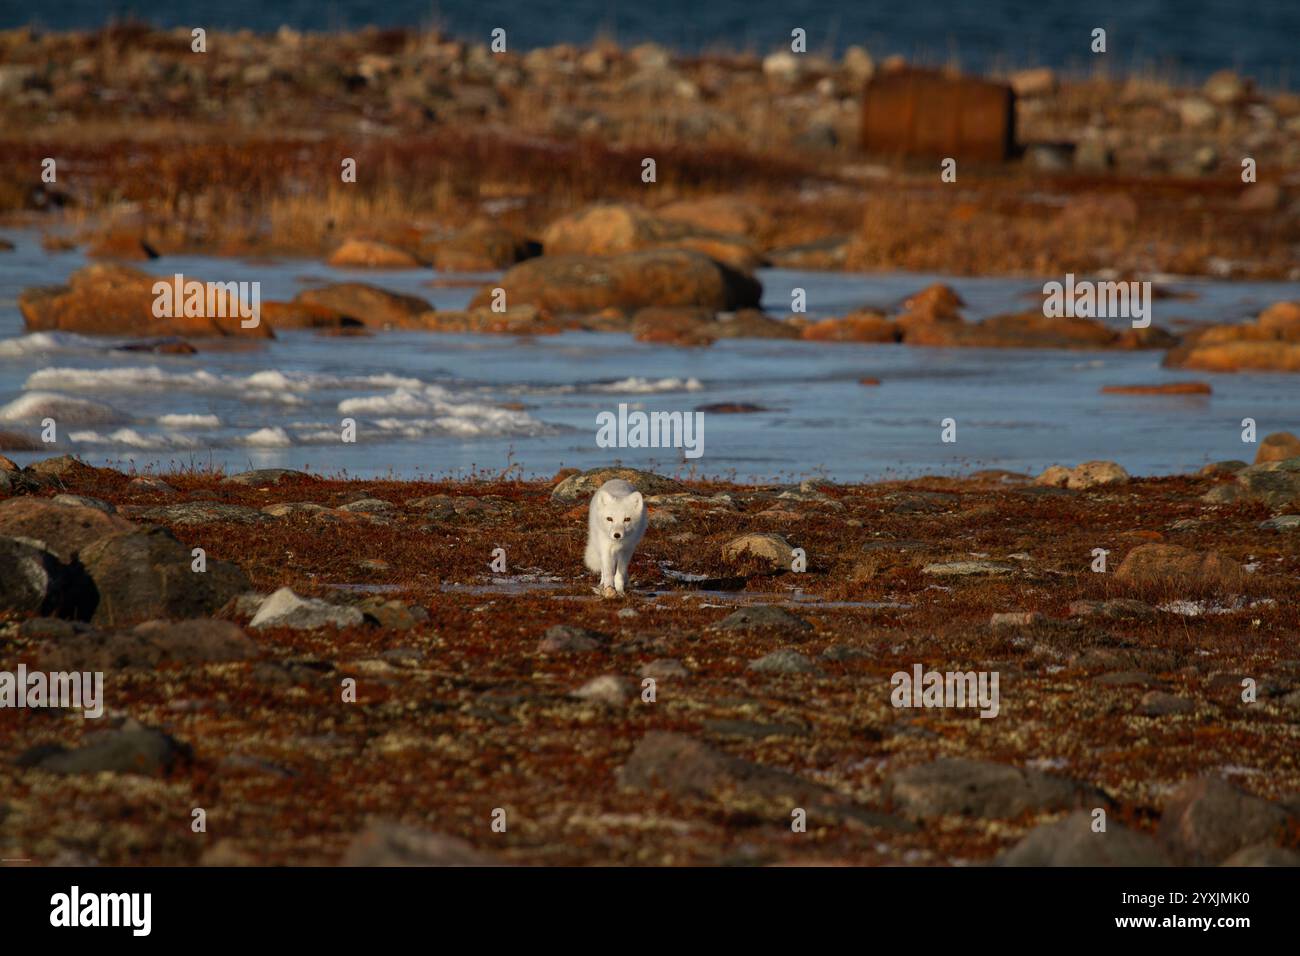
(1188, 38)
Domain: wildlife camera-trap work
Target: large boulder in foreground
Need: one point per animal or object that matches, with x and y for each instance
(33, 580)
(147, 574)
(663, 277)
(105, 299)
(62, 529)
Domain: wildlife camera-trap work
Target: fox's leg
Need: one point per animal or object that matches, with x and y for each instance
(620, 571)
(606, 569)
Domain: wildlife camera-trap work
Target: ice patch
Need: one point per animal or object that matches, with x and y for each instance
(189, 421)
(274, 437)
(32, 408)
(40, 342)
(130, 438)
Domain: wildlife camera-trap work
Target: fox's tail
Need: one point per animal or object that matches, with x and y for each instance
(593, 555)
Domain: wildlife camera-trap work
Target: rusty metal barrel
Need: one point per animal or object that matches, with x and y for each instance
(916, 112)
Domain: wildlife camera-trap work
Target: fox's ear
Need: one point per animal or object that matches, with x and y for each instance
(637, 501)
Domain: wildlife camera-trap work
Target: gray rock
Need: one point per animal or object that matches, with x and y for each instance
(577, 487)
(130, 749)
(784, 661)
(764, 617)
(32, 580)
(1207, 820)
(204, 512)
(608, 689)
(967, 569)
(395, 844)
(81, 501)
(666, 668)
(1116, 608)
(770, 548)
(561, 638)
(146, 575)
(1276, 483)
(267, 476)
(367, 506)
(286, 609)
(198, 641)
(688, 768)
(1263, 854)
(984, 789)
(1071, 841)
(1157, 703)
(1282, 523)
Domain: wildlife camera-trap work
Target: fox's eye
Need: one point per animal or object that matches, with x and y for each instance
(626, 520)
(609, 519)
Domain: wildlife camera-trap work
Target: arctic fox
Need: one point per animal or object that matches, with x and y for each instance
(615, 525)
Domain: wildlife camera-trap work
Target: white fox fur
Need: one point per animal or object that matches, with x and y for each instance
(615, 525)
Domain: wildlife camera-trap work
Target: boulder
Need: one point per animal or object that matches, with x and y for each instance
(1207, 820)
(1090, 474)
(65, 531)
(579, 283)
(583, 486)
(371, 254)
(106, 299)
(614, 228)
(371, 306)
(1176, 565)
(286, 609)
(141, 575)
(483, 247)
(1071, 841)
(33, 580)
(981, 788)
(396, 844)
(1278, 446)
(197, 641)
(860, 327)
(770, 548)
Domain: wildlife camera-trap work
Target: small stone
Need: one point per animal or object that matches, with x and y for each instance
(1012, 619)
(607, 689)
(395, 844)
(784, 661)
(981, 788)
(666, 668)
(286, 609)
(564, 637)
(1157, 703)
(763, 617)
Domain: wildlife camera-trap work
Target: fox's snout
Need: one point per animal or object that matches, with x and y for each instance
(617, 535)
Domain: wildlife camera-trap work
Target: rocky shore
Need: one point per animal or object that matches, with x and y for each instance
(376, 672)
(463, 157)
